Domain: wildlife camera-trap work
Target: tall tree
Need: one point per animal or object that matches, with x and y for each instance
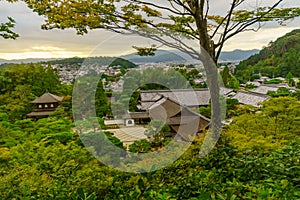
(174, 19)
(169, 22)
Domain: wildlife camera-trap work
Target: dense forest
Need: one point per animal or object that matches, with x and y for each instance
(257, 156)
(22, 83)
(276, 60)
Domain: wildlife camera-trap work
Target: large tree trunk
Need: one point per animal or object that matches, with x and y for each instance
(208, 58)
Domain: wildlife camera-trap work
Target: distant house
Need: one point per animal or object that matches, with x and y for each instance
(255, 83)
(250, 98)
(132, 118)
(45, 105)
(296, 80)
(264, 88)
(262, 79)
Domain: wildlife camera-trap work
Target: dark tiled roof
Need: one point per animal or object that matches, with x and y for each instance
(264, 88)
(39, 114)
(250, 98)
(48, 98)
(184, 121)
(136, 115)
(186, 97)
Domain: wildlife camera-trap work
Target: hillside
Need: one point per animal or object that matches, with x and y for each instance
(123, 62)
(101, 61)
(162, 56)
(277, 59)
(27, 60)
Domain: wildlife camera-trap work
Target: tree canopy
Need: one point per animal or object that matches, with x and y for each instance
(167, 21)
(170, 23)
(6, 31)
(257, 157)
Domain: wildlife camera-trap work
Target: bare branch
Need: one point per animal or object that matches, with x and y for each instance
(225, 18)
(226, 27)
(180, 3)
(243, 26)
(207, 9)
(160, 7)
(252, 21)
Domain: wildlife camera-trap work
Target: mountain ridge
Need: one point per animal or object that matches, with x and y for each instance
(162, 56)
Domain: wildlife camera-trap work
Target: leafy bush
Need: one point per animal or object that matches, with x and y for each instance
(141, 146)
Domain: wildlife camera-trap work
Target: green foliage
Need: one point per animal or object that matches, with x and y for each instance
(141, 146)
(101, 60)
(22, 83)
(273, 81)
(8, 136)
(102, 142)
(231, 108)
(282, 91)
(37, 168)
(191, 75)
(289, 78)
(145, 51)
(250, 86)
(276, 125)
(114, 140)
(257, 156)
(229, 80)
(205, 111)
(158, 134)
(122, 63)
(101, 101)
(5, 29)
(62, 137)
(254, 76)
(81, 195)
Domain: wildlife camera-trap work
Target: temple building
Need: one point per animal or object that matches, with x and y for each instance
(181, 119)
(45, 105)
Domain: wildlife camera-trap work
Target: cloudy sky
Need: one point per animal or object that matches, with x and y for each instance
(36, 43)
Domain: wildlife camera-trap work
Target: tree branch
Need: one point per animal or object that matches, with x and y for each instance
(246, 24)
(226, 27)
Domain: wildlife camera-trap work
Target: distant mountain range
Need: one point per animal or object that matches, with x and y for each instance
(237, 55)
(161, 56)
(28, 60)
(176, 56)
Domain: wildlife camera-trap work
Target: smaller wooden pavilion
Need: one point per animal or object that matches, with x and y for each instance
(45, 105)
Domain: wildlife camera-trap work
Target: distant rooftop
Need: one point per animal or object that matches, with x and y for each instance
(264, 88)
(186, 97)
(250, 98)
(48, 98)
